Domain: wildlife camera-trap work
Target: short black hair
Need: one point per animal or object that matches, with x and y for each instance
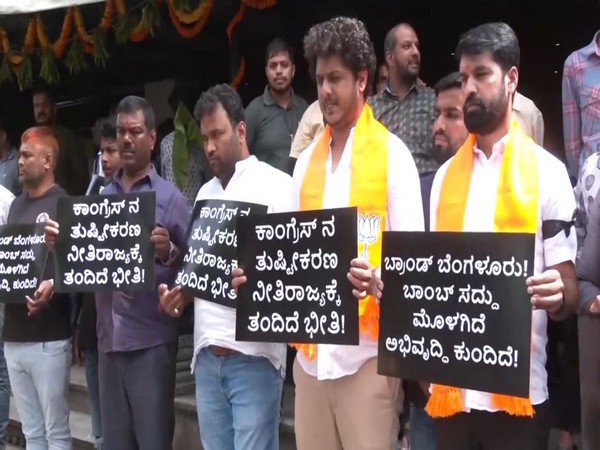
(390, 38)
(497, 38)
(43, 89)
(278, 45)
(108, 127)
(224, 95)
(133, 103)
(451, 81)
(345, 37)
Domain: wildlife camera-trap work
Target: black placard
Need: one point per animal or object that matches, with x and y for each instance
(212, 254)
(23, 255)
(455, 309)
(104, 243)
(297, 289)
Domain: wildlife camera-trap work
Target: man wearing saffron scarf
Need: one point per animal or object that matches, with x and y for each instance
(341, 401)
(500, 180)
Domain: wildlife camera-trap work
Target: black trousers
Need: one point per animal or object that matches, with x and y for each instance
(482, 430)
(137, 392)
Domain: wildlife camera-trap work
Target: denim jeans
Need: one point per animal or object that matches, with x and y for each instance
(421, 430)
(4, 386)
(238, 398)
(39, 375)
(91, 377)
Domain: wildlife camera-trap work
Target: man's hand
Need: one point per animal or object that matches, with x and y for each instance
(237, 278)
(172, 300)
(364, 279)
(40, 297)
(79, 353)
(50, 234)
(547, 291)
(162, 242)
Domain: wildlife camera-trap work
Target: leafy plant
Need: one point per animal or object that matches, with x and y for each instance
(187, 134)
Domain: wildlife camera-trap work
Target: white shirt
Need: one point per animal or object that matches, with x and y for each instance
(404, 213)
(556, 202)
(6, 198)
(214, 324)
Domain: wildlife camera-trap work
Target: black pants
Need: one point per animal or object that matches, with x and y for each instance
(137, 391)
(482, 430)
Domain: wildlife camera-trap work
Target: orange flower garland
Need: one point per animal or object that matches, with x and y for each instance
(191, 16)
(239, 15)
(239, 76)
(189, 32)
(58, 48)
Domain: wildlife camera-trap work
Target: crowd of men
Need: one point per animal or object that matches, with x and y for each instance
(443, 153)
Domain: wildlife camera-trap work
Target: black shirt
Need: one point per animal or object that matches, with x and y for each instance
(53, 322)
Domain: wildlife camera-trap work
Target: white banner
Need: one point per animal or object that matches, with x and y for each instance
(30, 6)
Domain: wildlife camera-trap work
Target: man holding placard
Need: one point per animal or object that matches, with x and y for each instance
(37, 334)
(238, 384)
(501, 181)
(341, 402)
(137, 340)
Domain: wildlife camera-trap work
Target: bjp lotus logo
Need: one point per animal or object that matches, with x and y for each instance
(368, 230)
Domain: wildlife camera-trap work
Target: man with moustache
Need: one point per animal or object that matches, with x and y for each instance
(449, 131)
(238, 384)
(272, 118)
(37, 334)
(406, 106)
(72, 166)
(341, 402)
(137, 339)
(500, 180)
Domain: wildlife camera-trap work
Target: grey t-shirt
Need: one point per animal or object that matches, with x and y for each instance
(271, 128)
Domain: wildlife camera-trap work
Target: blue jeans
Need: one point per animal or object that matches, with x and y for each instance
(91, 377)
(4, 386)
(238, 398)
(39, 375)
(421, 430)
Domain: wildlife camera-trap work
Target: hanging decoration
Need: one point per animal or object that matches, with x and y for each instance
(75, 40)
(197, 18)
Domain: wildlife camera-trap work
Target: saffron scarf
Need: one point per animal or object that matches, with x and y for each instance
(516, 211)
(368, 192)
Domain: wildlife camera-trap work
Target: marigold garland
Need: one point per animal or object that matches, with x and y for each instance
(189, 17)
(190, 32)
(239, 76)
(188, 22)
(237, 18)
(58, 48)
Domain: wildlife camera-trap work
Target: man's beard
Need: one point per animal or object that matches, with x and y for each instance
(486, 119)
(280, 90)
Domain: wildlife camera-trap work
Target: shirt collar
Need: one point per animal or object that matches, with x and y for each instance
(151, 178)
(593, 48)
(268, 98)
(414, 87)
(517, 102)
(497, 150)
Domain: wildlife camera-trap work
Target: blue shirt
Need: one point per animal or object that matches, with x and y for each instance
(9, 172)
(134, 321)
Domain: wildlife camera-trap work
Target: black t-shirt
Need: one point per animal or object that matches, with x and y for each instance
(52, 323)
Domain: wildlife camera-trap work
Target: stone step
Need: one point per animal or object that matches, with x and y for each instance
(79, 424)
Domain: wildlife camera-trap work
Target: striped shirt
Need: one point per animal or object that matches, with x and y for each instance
(581, 104)
(133, 321)
(411, 119)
